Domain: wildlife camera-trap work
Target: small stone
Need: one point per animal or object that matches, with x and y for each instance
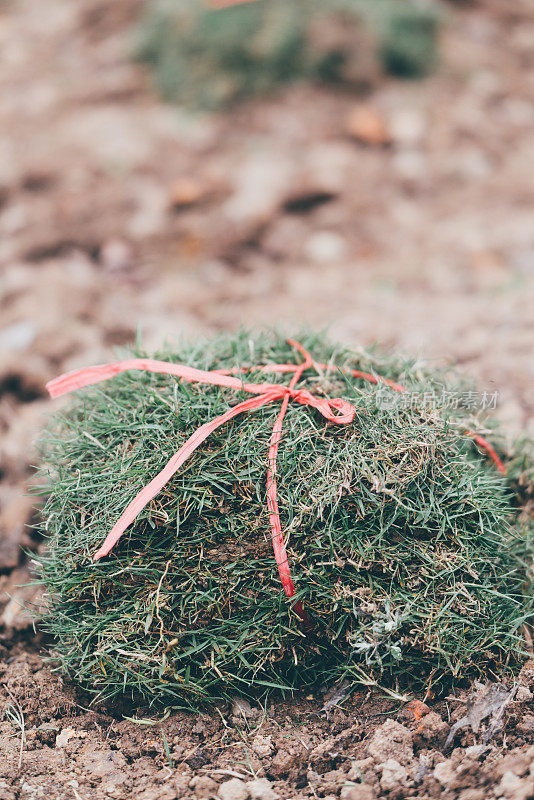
(63, 738)
(116, 256)
(360, 767)
(18, 336)
(513, 787)
(367, 125)
(391, 740)
(261, 789)
(519, 763)
(204, 787)
(262, 182)
(185, 192)
(262, 746)
(281, 764)
(473, 794)
(393, 776)
(357, 791)
(234, 789)
(325, 246)
(523, 695)
(445, 772)
(408, 127)
(475, 751)
(526, 726)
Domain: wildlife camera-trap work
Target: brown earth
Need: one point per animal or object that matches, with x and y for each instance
(403, 216)
(368, 747)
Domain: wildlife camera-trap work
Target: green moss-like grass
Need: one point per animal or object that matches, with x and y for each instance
(208, 58)
(404, 540)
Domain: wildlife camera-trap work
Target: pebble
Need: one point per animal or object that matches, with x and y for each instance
(408, 127)
(358, 791)
(116, 256)
(475, 751)
(523, 694)
(445, 772)
(262, 182)
(17, 336)
(512, 787)
(391, 741)
(203, 787)
(262, 746)
(234, 789)
(325, 246)
(282, 763)
(393, 775)
(367, 125)
(185, 192)
(261, 789)
(69, 733)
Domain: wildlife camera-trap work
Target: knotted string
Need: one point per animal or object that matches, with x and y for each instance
(336, 411)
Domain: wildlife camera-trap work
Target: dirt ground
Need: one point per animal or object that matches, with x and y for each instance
(118, 212)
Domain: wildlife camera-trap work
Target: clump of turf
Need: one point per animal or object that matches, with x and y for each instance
(407, 546)
(208, 57)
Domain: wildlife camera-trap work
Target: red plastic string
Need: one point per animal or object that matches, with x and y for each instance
(335, 410)
(485, 445)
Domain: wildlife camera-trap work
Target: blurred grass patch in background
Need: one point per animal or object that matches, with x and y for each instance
(206, 57)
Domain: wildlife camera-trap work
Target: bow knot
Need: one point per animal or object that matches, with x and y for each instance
(333, 409)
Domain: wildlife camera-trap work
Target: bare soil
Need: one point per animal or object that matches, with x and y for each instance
(117, 210)
(367, 747)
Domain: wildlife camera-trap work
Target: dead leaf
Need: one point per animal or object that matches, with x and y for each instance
(338, 696)
(488, 700)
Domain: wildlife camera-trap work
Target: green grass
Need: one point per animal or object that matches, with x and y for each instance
(208, 58)
(405, 543)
